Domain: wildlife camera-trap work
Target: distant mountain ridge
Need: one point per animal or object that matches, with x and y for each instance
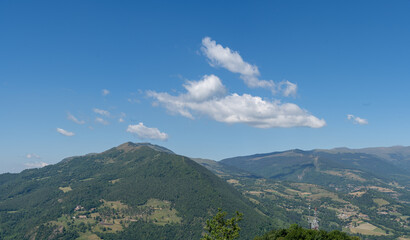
(389, 164)
(399, 155)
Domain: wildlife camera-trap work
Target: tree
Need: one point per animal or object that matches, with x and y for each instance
(296, 232)
(220, 228)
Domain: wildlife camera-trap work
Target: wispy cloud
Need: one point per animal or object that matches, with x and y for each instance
(74, 119)
(35, 164)
(101, 112)
(122, 116)
(102, 121)
(220, 56)
(287, 88)
(208, 97)
(32, 155)
(105, 92)
(64, 132)
(133, 100)
(357, 120)
(144, 132)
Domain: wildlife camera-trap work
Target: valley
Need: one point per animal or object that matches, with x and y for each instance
(348, 196)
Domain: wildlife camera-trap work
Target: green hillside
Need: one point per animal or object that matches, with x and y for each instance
(133, 191)
(356, 192)
(144, 191)
(397, 155)
(325, 167)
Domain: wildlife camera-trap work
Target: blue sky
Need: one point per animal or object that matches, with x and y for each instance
(210, 79)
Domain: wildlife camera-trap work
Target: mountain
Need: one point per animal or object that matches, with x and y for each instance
(145, 191)
(336, 166)
(359, 191)
(133, 191)
(223, 170)
(398, 155)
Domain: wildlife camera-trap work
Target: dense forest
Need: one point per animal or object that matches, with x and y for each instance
(75, 194)
(296, 232)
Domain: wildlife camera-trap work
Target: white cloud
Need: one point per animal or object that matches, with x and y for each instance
(105, 92)
(357, 120)
(208, 87)
(101, 112)
(235, 108)
(146, 132)
(35, 164)
(64, 132)
(226, 58)
(288, 88)
(102, 121)
(32, 155)
(74, 119)
(232, 61)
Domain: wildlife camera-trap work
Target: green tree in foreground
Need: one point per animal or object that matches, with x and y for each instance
(220, 228)
(295, 232)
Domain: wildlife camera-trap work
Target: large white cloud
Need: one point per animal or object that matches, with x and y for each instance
(64, 132)
(220, 56)
(145, 132)
(357, 120)
(235, 108)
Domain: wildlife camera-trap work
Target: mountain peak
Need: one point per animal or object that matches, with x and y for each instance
(130, 146)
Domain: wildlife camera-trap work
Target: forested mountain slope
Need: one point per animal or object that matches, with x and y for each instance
(324, 166)
(133, 191)
(357, 191)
